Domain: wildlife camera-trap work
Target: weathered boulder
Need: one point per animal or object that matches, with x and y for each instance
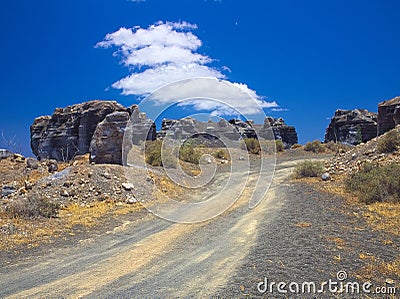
(68, 132)
(388, 115)
(352, 126)
(282, 131)
(5, 153)
(106, 145)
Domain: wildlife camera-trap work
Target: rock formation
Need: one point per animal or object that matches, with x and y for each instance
(282, 131)
(98, 127)
(107, 141)
(388, 115)
(69, 131)
(234, 129)
(352, 126)
(106, 145)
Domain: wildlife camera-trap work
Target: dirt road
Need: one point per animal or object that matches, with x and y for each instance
(286, 237)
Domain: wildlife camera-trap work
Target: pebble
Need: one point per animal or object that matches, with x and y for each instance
(326, 176)
(107, 175)
(127, 186)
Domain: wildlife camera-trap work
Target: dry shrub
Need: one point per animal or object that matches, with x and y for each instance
(222, 154)
(315, 146)
(389, 142)
(296, 145)
(375, 183)
(308, 168)
(279, 145)
(252, 145)
(33, 206)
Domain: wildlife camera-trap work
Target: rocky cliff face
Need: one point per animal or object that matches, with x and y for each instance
(241, 129)
(352, 126)
(388, 115)
(68, 132)
(282, 131)
(107, 141)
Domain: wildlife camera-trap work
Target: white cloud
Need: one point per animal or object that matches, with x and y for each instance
(220, 96)
(166, 52)
(153, 78)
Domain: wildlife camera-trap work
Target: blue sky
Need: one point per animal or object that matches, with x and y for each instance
(311, 57)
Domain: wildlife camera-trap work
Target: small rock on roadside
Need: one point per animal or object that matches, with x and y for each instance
(32, 163)
(127, 186)
(52, 165)
(7, 190)
(131, 200)
(326, 176)
(107, 175)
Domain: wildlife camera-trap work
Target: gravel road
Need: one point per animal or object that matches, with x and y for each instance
(292, 236)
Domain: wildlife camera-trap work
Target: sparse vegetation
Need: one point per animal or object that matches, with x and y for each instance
(252, 145)
(279, 145)
(189, 153)
(153, 152)
(221, 154)
(375, 183)
(389, 142)
(32, 207)
(315, 146)
(336, 147)
(296, 145)
(308, 168)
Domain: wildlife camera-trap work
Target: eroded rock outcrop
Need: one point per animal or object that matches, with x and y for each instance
(107, 141)
(68, 132)
(352, 126)
(388, 115)
(106, 145)
(233, 129)
(282, 131)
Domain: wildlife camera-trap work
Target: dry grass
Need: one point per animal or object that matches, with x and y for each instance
(32, 232)
(378, 268)
(384, 216)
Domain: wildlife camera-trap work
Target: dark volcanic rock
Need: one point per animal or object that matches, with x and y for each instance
(68, 132)
(352, 126)
(282, 131)
(106, 145)
(388, 115)
(233, 129)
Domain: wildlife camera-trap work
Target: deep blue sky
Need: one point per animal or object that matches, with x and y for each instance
(312, 57)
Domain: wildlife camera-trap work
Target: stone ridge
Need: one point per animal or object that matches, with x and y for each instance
(352, 126)
(69, 131)
(388, 115)
(98, 127)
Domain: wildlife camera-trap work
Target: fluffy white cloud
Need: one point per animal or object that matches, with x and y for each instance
(166, 52)
(153, 78)
(218, 96)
